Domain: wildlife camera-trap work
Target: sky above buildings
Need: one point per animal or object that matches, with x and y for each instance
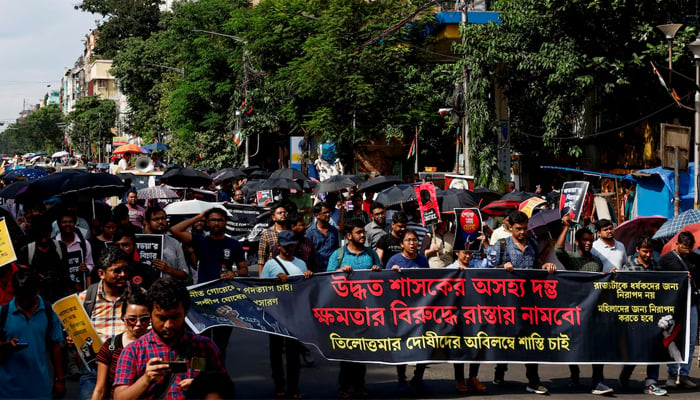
(38, 39)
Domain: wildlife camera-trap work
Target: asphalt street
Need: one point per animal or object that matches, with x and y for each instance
(247, 363)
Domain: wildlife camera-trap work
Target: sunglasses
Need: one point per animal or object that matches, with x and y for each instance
(132, 320)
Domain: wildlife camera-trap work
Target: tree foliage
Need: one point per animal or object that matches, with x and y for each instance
(90, 122)
(40, 130)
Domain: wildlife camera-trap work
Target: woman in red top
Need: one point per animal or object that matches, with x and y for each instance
(137, 321)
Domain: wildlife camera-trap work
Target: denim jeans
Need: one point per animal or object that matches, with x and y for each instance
(88, 380)
(685, 368)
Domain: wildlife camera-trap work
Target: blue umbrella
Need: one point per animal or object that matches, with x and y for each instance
(157, 146)
(27, 173)
(677, 223)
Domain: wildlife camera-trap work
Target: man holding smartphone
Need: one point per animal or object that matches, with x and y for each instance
(31, 336)
(163, 362)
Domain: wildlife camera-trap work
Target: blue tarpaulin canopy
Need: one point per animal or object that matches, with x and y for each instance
(655, 187)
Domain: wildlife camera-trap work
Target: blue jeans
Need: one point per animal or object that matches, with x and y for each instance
(685, 368)
(88, 380)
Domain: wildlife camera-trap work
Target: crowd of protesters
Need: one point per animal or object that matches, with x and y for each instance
(138, 310)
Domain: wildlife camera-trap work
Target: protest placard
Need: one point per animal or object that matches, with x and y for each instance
(468, 229)
(427, 201)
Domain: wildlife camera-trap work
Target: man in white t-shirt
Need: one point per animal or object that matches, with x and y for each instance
(281, 267)
(610, 251)
(124, 164)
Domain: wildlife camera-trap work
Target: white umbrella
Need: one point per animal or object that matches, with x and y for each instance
(60, 154)
(191, 207)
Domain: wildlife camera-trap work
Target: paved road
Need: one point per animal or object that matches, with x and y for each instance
(247, 363)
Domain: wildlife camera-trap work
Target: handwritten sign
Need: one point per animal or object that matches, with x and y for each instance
(7, 251)
(468, 229)
(573, 196)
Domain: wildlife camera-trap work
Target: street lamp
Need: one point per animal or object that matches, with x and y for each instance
(669, 30)
(695, 49)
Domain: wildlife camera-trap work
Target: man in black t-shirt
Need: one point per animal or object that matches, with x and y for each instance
(390, 244)
(217, 254)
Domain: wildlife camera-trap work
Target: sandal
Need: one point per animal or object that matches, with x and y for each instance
(343, 394)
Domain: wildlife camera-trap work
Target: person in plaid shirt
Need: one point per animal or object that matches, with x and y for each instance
(269, 236)
(112, 291)
(142, 371)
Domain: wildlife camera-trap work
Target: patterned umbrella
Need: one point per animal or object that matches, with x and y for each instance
(27, 173)
(157, 192)
(677, 223)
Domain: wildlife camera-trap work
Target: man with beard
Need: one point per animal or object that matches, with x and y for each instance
(521, 252)
(173, 262)
(325, 236)
(610, 251)
(581, 260)
(354, 256)
(377, 228)
(103, 301)
(390, 244)
(143, 370)
(269, 237)
(217, 254)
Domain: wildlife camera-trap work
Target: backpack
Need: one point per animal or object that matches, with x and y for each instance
(5, 309)
(31, 250)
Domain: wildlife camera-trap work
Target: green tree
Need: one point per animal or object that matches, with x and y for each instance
(90, 123)
(564, 64)
(122, 19)
(40, 130)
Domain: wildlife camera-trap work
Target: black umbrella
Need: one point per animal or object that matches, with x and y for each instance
(396, 195)
(486, 196)
(10, 191)
(228, 173)
(518, 196)
(72, 182)
(289, 173)
(545, 223)
(259, 174)
(185, 177)
(455, 198)
(380, 183)
(279, 183)
(337, 183)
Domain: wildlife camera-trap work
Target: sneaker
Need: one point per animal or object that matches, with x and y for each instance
(671, 381)
(601, 389)
(686, 383)
(478, 387)
(655, 390)
(462, 387)
(537, 389)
